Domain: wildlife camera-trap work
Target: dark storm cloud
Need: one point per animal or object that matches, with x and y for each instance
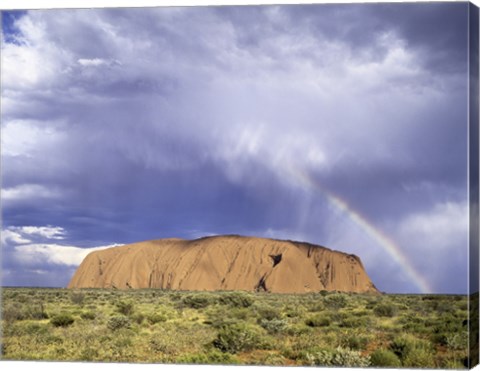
(182, 122)
(436, 31)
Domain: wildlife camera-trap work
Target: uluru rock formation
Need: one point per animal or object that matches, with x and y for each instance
(224, 263)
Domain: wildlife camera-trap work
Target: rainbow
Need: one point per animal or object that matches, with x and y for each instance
(368, 227)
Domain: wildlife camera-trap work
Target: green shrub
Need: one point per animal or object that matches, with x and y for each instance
(77, 297)
(336, 316)
(339, 357)
(318, 321)
(34, 328)
(125, 307)
(88, 354)
(13, 312)
(335, 301)
(413, 352)
(198, 301)
(219, 317)
(349, 358)
(236, 338)
(355, 342)
(156, 318)
(21, 298)
(209, 358)
(241, 314)
(452, 363)
(35, 311)
(273, 360)
(422, 357)
(118, 322)
(273, 326)
(354, 322)
(401, 345)
(293, 312)
(163, 346)
(62, 320)
(236, 299)
(138, 318)
(385, 310)
(88, 315)
(298, 329)
(316, 307)
(384, 358)
(445, 307)
(267, 312)
(457, 341)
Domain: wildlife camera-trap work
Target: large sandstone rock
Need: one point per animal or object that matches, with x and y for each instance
(224, 263)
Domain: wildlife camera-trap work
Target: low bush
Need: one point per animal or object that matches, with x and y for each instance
(219, 317)
(293, 312)
(273, 359)
(125, 307)
(236, 338)
(419, 357)
(62, 320)
(336, 316)
(384, 358)
(413, 352)
(77, 297)
(339, 357)
(267, 312)
(198, 301)
(138, 318)
(241, 313)
(13, 312)
(354, 322)
(88, 315)
(318, 321)
(335, 301)
(236, 299)
(298, 329)
(385, 310)
(401, 345)
(355, 342)
(209, 358)
(457, 341)
(118, 322)
(156, 318)
(35, 311)
(274, 326)
(159, 345)
(349, 358)
(316, 307)
(88, 354)
(34, 329)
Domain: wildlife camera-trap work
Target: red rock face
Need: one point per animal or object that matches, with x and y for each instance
(224, 263)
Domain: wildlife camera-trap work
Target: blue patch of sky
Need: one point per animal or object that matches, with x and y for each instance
(10, 31)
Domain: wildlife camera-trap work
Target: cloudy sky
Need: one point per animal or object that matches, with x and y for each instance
(340, 125)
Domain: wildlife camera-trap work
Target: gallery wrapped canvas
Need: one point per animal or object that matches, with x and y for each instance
(270, 185)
